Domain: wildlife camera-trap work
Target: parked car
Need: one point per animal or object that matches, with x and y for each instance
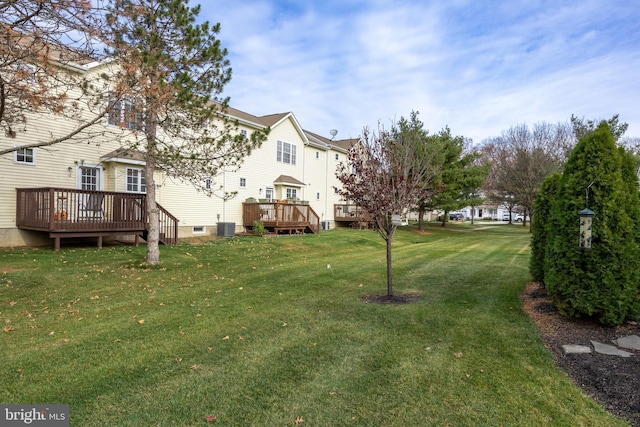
(456, 216)
(505, 216)
(519, 217)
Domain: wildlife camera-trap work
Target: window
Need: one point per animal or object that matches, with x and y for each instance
(127, 115)
(269, 193)
(292, 193)
(286, 153)
(89, 178)
(243, 132)
(317, 154)
(26, 156)
(317, 196)
(207, 184)
(243, 182)
(136, 182)
(337, 156)
(199, 230)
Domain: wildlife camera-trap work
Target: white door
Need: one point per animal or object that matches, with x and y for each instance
(90, 178)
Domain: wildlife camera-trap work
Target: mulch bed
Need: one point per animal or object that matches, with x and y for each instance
(405, 298)
(612, 381)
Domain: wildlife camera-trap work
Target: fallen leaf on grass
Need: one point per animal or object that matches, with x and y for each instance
(458, 354)
(141, 321)
(211, 419)
(178, 360)
(194, 367)
(299, 420)
(226, 338)
(8, 328)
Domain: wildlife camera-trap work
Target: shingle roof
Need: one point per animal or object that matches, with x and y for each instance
(268, 120)
(286, 179)
(123, 153)
(344, 144)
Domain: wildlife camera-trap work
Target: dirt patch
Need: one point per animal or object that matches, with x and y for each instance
(612, 381)
(406, 298)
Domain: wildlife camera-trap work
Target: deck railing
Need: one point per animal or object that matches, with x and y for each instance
(64, 210)
(281, 216)
(350, 213)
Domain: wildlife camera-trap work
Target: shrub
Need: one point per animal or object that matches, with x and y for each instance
(603, 281)
(258, 228)
(539, 224)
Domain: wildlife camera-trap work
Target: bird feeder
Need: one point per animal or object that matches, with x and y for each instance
(586, 225)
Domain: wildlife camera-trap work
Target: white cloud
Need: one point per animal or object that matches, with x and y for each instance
(470, 65)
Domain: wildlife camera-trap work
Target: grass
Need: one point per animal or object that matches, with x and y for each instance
(260, 332)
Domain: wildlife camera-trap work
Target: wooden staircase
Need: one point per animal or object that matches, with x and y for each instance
(168, 234)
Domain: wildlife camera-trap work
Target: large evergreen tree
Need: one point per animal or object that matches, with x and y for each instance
(168, 73)
(603, 281)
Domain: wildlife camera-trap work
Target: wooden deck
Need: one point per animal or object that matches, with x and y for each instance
(66, 213)
(351, 215)
(279, 217)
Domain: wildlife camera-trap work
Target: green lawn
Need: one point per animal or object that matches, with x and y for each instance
(260, 332)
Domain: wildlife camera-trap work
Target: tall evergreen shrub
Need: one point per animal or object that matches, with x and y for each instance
(603, 281)
(542, 210)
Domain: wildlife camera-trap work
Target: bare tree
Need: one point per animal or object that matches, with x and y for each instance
(43, 47)
(522, 158)
(388, 173)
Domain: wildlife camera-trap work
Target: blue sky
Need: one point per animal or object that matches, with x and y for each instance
(478, 67)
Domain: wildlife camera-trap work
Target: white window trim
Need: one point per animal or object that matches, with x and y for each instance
(289, 190)
(138, 126)
(33, 155)
(280, 152)
(139, 185)
(94, 166)
(240, 182)
(199, 230)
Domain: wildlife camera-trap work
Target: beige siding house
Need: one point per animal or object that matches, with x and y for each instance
(292, 164)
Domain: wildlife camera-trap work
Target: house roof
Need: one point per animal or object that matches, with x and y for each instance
(69, 56)
(257, 121)
(340, 144)
(124, 155)
(288, 180)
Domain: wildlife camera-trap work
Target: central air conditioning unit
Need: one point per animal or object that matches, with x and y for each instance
(226, 229)
(326, 225)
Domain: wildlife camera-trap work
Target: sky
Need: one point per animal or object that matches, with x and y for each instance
(478, 67)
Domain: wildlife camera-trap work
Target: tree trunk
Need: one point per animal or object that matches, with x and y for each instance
(153, 216)
(389, 269)
(421, 211)
(444, 217)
